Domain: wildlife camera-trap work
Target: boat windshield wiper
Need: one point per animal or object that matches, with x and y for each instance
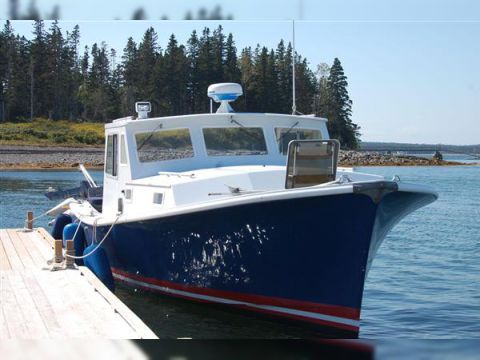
(287, 132)
(245, 131)
(147, 139)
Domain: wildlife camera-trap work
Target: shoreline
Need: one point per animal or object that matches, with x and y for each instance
(24, 158)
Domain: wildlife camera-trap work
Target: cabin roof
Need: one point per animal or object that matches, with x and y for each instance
(131, 120)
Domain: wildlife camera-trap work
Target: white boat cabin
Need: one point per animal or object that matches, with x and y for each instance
(168, 162)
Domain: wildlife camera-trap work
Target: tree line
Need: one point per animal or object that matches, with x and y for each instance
(50, 76)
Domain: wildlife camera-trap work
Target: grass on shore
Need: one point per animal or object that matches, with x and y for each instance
(43, 132)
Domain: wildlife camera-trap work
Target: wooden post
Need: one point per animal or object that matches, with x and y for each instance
(29, 220)
(69, 250)
(58, 251)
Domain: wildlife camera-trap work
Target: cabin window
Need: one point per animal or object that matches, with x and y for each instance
(236, 141)
(123, 150)
(164, 145)
(285, 135)
(111, 161)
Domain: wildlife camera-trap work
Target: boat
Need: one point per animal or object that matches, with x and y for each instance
(242, 210)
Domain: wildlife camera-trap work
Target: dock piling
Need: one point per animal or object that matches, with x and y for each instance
(58, 244)
(29, 221)
(69, 250)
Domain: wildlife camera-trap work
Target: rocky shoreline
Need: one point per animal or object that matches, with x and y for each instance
(370, 158)
(36, 157)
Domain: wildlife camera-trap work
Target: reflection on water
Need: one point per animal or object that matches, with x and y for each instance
(423, 283)
(174, 318)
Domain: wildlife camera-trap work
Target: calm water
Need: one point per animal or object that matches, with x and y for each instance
(424, 283)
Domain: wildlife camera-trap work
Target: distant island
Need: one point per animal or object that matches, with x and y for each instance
(393, 146)
(42, 155)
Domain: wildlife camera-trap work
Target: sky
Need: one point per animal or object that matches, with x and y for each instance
(413, 67)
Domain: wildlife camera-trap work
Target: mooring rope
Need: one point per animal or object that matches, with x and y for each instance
(94, 237)
(25, 226)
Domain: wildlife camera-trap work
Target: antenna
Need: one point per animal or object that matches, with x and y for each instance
(294, 105)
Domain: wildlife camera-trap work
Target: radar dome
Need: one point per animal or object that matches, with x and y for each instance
(224, 93)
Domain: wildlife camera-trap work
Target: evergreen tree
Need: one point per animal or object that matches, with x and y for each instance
(339, 111)
(305, 84)
(74, 78)
(55, 72)
(231, 69)
(7, 61)
(320, 106)
(193, 82)
(46, 77)
(42, 89)
(175, 63)
(129, 77)
(205, 68)
(246, 71)
(283, 65)
(148, 53)
(218, 54)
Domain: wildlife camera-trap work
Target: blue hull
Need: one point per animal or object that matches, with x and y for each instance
(303, 259)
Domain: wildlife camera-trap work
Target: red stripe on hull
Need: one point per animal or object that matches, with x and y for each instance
(330, 310)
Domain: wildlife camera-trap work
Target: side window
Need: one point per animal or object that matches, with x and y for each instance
(123, 150)
(111, 160)
(285, 135)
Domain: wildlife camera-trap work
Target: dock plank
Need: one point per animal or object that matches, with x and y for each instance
(22, 252)
(43, 246)
(32, 248)
(45, 237)
(119, 306)
(35, 324)
(15, 321)
(37, 302)
(4, 262)
(13, 258)
(96, 308)
(4, 333)
(43, 305)
(53, 285)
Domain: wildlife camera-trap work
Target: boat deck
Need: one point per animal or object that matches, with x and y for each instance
(36, 302)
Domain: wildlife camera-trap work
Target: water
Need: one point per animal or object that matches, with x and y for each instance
(424, 283)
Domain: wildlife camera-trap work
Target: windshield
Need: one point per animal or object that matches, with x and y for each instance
(235, 141)
(285, 135)
(164, 145)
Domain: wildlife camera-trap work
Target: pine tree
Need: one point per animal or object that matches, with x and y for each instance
(148, 53)
(246, 71)
(129, 77)
(42, 89)
(260, 80)
(231, 70)
(46, 77)
(283, 64)
(7, 61)
(98, 104)
(272, 101)
(339, 112)
(74, 78)
(193, 85)
(175, 63)
(305, 86)
(55, 71)
(218, 54)
(321, 94)
(205, 68)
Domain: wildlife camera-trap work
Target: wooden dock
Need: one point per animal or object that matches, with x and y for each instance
(38, 303)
